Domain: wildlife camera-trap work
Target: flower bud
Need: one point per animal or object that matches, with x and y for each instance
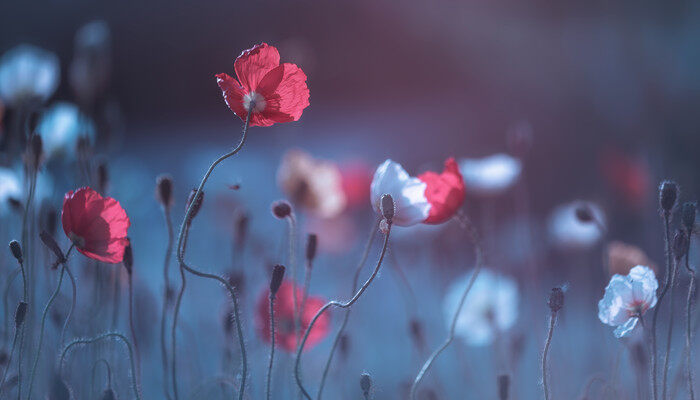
(387, 207)
(668, 195)
(503, 387)
(311, 245)
(680, 244)
(50, 242)
(281, 209)
(20, 313)
(197, 204)
(128, 259)
(164, 190)
(16, 250)
(276, 281)
(365, 384)
(556, 299)
(688, 215)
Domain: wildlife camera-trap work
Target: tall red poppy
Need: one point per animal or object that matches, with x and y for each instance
(445, 192)
(96, 225)
(278, 92)
(284, 318)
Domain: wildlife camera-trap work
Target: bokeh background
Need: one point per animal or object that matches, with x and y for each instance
(610, 92)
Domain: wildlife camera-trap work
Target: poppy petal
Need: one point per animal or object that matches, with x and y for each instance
(252, 65)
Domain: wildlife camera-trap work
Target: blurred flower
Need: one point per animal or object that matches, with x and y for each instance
(285, 336)
(336, 235)
(96, 225)
(627, 298)
(91, 66)
(10, 188)
(430, 198)
(623, 257)
(568, 231)
(628, 176)
(356, 179)
(277, 91)
(315, 185)
(490, 307)
(490, 176)
(27, 74)
(61, 127)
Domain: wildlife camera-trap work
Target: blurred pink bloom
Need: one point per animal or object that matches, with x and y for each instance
(627, 176)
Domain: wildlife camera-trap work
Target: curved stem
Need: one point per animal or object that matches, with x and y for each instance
(72, 305)
(163, 319)
(272, 345)
(173, 331)
(181, 261)
(335, 303)
(453, 325)
(346, 317)
(667, 357)
(117, 335)
(688, 320)
(137, 353)
(652, 353)
(545, 355)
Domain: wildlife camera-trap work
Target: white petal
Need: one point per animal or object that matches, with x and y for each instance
(411, 205)
(490, 175)
(625, 328)
(61, 126)
(28, 72)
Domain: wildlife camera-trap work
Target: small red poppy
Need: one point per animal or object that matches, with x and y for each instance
(96, 225)
(445, 192)
(278, 91)
(285, 337)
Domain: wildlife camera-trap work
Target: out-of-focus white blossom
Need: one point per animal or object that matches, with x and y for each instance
(60, 128)
(411, 205)
(627, 298)
(568, 231)
(490, 307)
(91, 66)
(490, 175)
(27, 74)
(10, 188)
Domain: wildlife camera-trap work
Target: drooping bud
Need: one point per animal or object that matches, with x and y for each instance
(20, 313)
(196, 204)
(387, 207)
(365, 384)
(16, 250)
(241, 222)
(102, 173)
(311, 245)
(688, 215)
(51, 244)
(281, 209)
(668, 195)
(556, 299)
(680, 244)
(503, 387)
(128, 259)
(276, 281)
(164, 190)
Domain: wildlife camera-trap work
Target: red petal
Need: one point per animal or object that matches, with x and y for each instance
(233, 94)
(252, 65)
(290, 96)
(445, 192)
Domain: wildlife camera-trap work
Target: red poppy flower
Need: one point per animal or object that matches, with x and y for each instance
(627, 175)
(277, 91)
(96, 225)
(445, 192)
(284, 318)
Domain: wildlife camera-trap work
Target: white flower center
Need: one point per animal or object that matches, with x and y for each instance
(256, 99)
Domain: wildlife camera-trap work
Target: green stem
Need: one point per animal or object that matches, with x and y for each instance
(667, 357)
(72, 305)
(6, 292)
(163, 319)
(137, 353)
(272, 344)
(652, 353)
(688, 320)
(292, 263)
(545, 355)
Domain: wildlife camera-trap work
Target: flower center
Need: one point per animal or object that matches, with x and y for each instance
(256, 100)
(78, 241)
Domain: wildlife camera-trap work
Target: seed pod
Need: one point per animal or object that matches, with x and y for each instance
(164, 190)
(311, 245)
(50, 242)
(387, 207)
(688, 215)
(16, 250)
(668, 195)
(20, 313)
(276, 281)
(556, 299)
(365, 384)
(281, 209)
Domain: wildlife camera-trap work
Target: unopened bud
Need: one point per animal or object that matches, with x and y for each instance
(668, 195)
(281, 209)
(311, 245)
(680, 244)
(16, 250)
(128, 259)
(387, 207)
(196, 204)
(276, 281)
(20, 313)
(164, 190)
(365, 384)
(556, 299)
(503, 387)
(688, 215)
(51, 244)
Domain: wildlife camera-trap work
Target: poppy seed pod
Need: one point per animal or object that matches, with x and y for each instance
(20, 313)
(164, 190)
(276, 281)
(281, 209)
(311, 245)
(197, 203)
(556, 299)
(365, 384)
(503, 387)
(680, 244)
(668, 195)
(128, 258)
(688, 215)
(387, 207)
(16, 250)
(50, 242)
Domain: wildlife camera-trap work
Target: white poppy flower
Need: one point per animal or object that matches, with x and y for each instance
(61, 126)
(627, 298)
(10, 188)
(411, 205)
(490, 307)
(490, 175)
(28, 73)
(567, 231)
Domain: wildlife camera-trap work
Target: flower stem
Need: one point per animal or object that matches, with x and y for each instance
(338, 335)
(652, 353)
(181, 261)
(163, 319)
(545, 355)
(137, 353)
(72, 305)
(5, 300)
(664, 380)
(688, 318)
(336, 303)
(272, 344)
(137, 391)
(9, 359)
(479, 263)
(292, 263)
